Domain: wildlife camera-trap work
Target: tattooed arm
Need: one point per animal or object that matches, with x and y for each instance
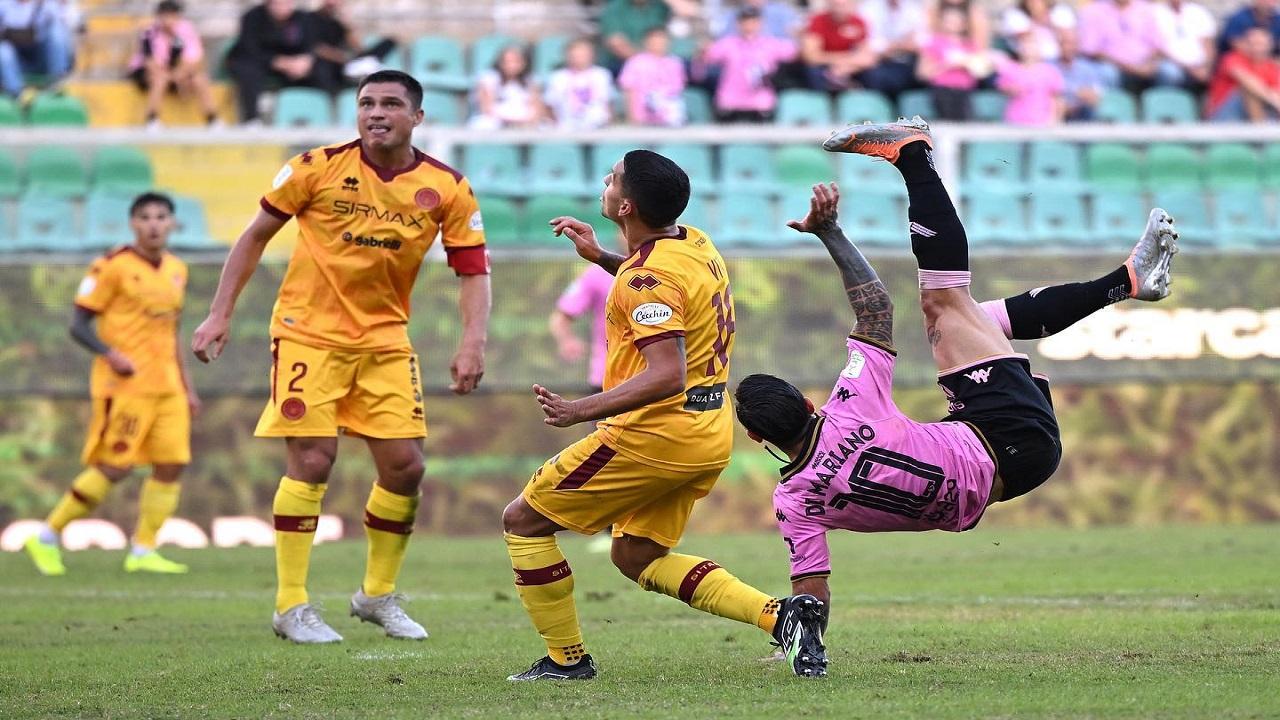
(872, 307)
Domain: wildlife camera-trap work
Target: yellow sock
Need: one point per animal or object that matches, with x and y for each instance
(88, 490)
(545, 584)
(710, 588)
(388, 521)
(156, 504)
(297, 511)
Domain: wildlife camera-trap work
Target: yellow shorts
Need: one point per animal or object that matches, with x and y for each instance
(590, 485)
(315, 391)
(131, 430)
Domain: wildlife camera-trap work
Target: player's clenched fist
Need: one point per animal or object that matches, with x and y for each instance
(582, 235)
(210, 338)
(559, 412)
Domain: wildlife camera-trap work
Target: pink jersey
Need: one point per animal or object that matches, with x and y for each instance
(869, 468)
(588, 294)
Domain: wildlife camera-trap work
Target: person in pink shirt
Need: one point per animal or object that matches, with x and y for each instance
(1126, 34)
(653, 81)
(1034, 86)
(952, 64)
(170, 56)
(587, 294)
(746, 61)
(859, 463)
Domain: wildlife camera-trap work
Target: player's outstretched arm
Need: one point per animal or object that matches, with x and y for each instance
(584, 241)
(474, 302)
(663, 376)
(872, 307)
(212, 335)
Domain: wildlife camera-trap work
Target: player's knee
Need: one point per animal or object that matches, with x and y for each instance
(168, 473)
(407, 472)
(519, 518)
(631, 555)
(311, 465)
(115, 473)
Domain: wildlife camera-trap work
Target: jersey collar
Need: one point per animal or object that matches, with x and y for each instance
(388, 174)
(642, 253)
(813, 430)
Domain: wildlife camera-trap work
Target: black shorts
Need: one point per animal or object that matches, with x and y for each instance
(1012, 411)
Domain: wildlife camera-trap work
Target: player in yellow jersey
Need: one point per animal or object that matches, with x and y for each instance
(367, 212)
(665, 432)
(142, 401)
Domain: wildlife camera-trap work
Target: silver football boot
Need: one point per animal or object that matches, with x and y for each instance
(1150, 261)
(384, 610)
(302, 624)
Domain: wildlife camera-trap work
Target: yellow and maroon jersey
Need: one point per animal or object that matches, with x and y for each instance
(138, 304)
(362, 233)
(673, 287)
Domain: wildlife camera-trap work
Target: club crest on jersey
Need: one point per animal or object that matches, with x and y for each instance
(853, 369)
(651, 314)
(293, 408)
(643, 282)
(427, 199)
(980, 375)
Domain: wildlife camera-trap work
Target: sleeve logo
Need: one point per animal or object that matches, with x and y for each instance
(853, 369)
(651, 314)
(282, 177)
(643, 282)
(476, 222)
(87, 286)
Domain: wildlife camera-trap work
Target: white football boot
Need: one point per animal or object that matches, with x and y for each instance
(1150, 261)
(385, 610)
(302, 624)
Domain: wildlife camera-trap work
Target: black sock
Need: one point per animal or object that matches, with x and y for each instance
(1050, 310)
(938, 239)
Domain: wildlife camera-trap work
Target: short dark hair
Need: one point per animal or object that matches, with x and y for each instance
(404, 80)
(169, 6)
(150, 198)
(656, 186)
(772, 408)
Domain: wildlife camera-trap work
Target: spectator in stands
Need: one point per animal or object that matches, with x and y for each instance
(623, 24)
(1085, 79)
(506, 95)
(170, 56)
(1040, 19)
(836, 47)
(1034, 85)
(1126, 35)
(34, 39)
(895, 28)
(275, 47)
(746, 62)
(579, 94)
(975, 12)
(340, 59)
(951, 63)
(1261, 13)
(779, 19)
(1187, 33)
(1246, 86)
(654, 81)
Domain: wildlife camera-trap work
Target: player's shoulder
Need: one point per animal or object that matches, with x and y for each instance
(431, 168)
(111, 258)
(172, 260)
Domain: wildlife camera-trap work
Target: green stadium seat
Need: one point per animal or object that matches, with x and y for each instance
(1112, 166)
(916, 102)
(1117, 106)
(695, 159)
(747, 220)
(122, 171)
(697, 107)
(803, 166)
(1169, 105)
(501, 222)
(1271, 165)
(1171, 166)
(698, 214)
(869, 218)
(10, 113)
(58, 111)
(442, 107)
(494, 169)
(994, 218)
(303, 107)
(192, 232)
(856, 106)
(56, 171)
(604, 156)
(1055, 165)
(1058, 219)
(484, 51)
(1232, 165)
(559, 168)
(1241, 221)
(10, 179)
(1191, 212)
(534, 231)
(106, 219)
(804, 107)
(548, 54)
(1118, 218)
(747, 168)
(988, 105)
(44, 223)
(438, 63)
(861, 174)
(993, 165)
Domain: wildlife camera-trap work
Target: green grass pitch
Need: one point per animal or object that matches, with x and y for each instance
(1179, 622)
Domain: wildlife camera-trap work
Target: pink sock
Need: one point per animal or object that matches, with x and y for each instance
(943, 279)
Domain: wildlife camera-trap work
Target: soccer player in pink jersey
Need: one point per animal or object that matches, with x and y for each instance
(859, 463)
